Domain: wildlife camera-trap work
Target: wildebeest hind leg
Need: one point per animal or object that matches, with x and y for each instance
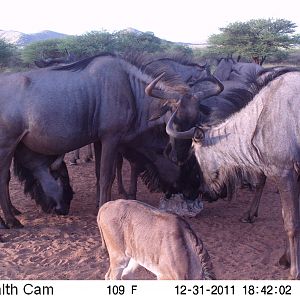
(75, 157)
(6, 154)
(289, 195)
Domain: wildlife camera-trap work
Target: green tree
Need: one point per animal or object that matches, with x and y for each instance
(43, 49)
(90, 43)
(137, 41)
(256, 39)
(7, 51)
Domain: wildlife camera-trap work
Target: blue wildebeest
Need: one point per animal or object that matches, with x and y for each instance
(147, 158)
(228, 69)
(54, 61)
(43, 180)
(220, 107)
(147, 149)
(211, 110)
(250, 142)
(54, 111)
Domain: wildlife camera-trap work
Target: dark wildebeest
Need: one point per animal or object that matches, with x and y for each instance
(250, 141)
(54, 111)
(229, 70)
(43, 180)
(49, 62)
(147, 158)
(147, 149)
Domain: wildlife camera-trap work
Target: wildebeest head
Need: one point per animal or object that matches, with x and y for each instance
(224, 68)
(187, 112)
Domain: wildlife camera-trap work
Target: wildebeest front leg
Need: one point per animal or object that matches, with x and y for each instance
(97, 150)
(118, 263)
(134, 174)
(119, 166)
(107, 168)
(75, 157)
(289, 195)
(252, 212)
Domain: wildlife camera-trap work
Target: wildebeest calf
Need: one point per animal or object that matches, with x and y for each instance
(135, 233)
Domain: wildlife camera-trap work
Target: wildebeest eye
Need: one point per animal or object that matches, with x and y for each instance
(198, 135)
(216, 175)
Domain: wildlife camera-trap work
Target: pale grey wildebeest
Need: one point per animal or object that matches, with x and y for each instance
(135, 233)
(263, 138)
(101, 98)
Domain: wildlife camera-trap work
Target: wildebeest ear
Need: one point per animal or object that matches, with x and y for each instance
(199, 135)
(159, 111)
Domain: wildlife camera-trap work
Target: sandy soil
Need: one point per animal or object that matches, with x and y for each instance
(68, 247)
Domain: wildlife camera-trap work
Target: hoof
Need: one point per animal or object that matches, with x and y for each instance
(284, 261)
(123, 195)
(296, 277)
(247, 219)
(16, 211)
(3, 226)
(14, 224)
(73, 161)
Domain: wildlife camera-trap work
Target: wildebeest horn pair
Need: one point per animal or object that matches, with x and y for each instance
(199, 95)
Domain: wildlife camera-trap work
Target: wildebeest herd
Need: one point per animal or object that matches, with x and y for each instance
(184, 130)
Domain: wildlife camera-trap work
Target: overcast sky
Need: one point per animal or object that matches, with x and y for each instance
(177, 21)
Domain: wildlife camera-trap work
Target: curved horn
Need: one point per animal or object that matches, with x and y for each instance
(152, 84)
(219, 87)
(182, 135)
(160, 94)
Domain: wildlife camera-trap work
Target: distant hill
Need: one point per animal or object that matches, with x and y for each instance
(22, 39)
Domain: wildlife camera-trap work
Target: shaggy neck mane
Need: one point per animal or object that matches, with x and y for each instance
(135, 64)
(81, 64)
(143, 62)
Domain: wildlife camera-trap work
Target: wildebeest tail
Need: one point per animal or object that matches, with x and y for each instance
(103, 244)
(202, 253)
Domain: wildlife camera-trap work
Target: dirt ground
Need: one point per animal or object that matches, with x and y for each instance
(68, 247)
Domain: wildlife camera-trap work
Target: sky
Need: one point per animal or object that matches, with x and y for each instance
(177, 21)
